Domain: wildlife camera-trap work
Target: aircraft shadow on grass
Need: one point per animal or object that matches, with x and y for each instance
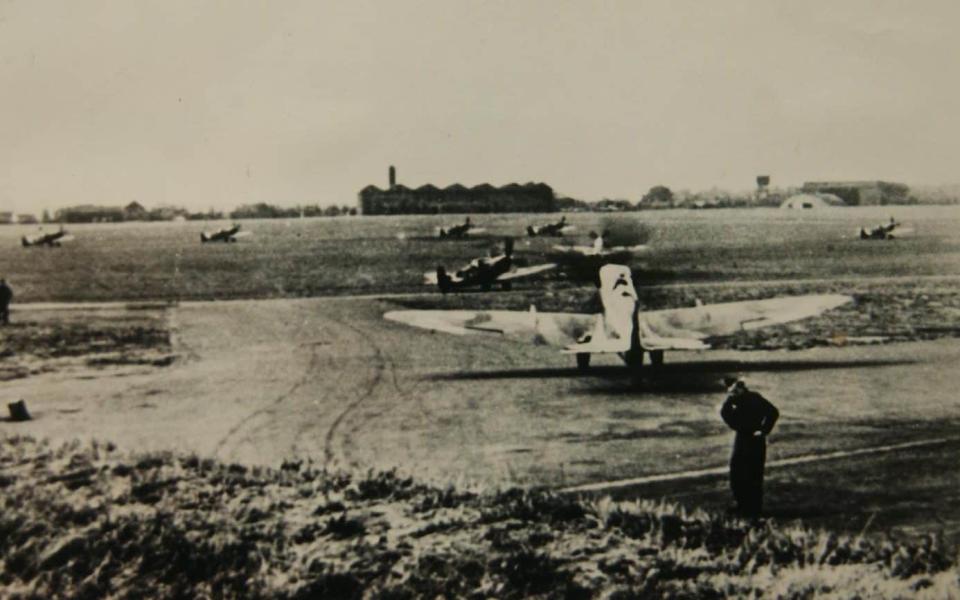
(705, 377)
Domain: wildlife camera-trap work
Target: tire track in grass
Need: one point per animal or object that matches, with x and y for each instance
(362, 395)
(724, 470)
(312, 363)
(387, 374)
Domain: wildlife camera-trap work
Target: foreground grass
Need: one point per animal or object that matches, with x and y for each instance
(86, 521)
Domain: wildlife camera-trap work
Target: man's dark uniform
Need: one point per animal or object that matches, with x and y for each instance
(6, 295)
(752, 417)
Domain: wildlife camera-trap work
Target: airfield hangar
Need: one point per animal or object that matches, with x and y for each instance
(398, 199)
(820, 200)
(861, 193)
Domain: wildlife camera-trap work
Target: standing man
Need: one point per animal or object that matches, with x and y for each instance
(6, 295)
(752, 417)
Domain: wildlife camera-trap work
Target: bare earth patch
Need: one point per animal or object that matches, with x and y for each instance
(49, 341)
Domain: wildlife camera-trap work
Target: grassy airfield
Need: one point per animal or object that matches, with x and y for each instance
(364, 255)
(85, 519)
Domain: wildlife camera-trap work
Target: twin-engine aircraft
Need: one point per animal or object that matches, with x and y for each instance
(599, 247)
(225, 234)
(484, 272)
(51, 240)
(623, 328)
(459, 231)
(550, 229)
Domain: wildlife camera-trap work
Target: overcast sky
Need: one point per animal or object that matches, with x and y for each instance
(215, 104)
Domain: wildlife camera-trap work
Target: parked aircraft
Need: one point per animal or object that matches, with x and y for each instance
(550, 229)
(485, 272)
(225, 234)
(599, 247)
(459, 231)
(51, 240)
(888, 231)
(623, 328)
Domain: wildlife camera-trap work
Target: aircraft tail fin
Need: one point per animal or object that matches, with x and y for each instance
(530, 231)
(203, 238)
(24, 242)
(619, 299)
(616, 329)
(508, 246)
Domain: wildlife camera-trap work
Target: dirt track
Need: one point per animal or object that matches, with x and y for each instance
(258, 382)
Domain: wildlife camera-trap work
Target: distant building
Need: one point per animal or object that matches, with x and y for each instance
(861, 193)
(429, 199)
(26, 219)
(167, 213)
(802, 201)
(763, 187)
(89, 213)
(6, 217)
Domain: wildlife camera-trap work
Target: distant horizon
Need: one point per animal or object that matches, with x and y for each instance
(733, 192)
(773, 187)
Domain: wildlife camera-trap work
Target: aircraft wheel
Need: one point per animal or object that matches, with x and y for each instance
(656, 357)
(634, 359)
(583, 361)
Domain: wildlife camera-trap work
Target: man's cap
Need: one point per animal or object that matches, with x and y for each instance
(733, 383)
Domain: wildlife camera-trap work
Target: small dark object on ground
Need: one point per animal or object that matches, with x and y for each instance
(18, 411)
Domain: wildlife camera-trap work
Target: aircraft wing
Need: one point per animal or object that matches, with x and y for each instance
(555, 329)
(525, 272)
(586, 250)
(697, 323)
(901, 232)
(240, 234)
(671, 329)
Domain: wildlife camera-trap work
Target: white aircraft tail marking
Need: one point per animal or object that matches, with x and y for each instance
(619, 299)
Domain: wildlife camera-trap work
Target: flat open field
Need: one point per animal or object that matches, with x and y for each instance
(363, 255)
(258, 381)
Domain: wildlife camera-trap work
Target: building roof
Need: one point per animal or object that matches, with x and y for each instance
(850, 184)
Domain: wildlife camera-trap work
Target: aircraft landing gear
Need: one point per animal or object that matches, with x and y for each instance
(583, 361)
(634, 360)
(656, 358)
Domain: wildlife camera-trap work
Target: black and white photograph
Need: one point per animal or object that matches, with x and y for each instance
(479, 299)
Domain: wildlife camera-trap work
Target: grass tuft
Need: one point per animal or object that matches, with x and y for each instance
(76, 521)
